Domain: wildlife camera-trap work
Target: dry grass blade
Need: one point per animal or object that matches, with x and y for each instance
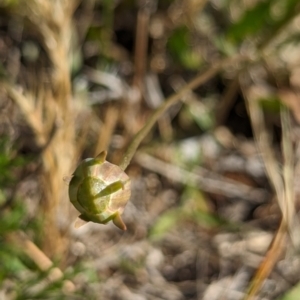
(141, 44)
(288, 174)
(266, 266)
(282, 183)
(30, 112)
(47, 109)
(264, 145)
(41, 260)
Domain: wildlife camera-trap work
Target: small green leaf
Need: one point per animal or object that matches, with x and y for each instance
(181, 50)
(292, 294)
(266, 17)
(165, 222)
(12, 220)
(272, 105)
(252, 21)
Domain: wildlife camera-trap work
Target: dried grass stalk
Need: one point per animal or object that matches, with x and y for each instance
(48, 111)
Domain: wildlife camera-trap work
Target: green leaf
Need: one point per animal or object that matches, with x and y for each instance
(202, 116)
(181, 50)
(292, 294)
(12, 220)
(9, 261)
(8, 163)
(266, 17)
(271, 104)
(165, 223)
(252, 21)
(196, 208)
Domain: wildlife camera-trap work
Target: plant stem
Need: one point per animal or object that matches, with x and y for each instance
(173, 99)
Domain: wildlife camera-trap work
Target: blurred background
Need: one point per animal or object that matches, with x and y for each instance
(214, 204)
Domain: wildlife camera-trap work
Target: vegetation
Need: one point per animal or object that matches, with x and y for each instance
(197, 101)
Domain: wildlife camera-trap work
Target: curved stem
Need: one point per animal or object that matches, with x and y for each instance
(174, 98)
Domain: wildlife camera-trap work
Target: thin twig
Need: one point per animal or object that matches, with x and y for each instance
(202, 179)
(200, 79)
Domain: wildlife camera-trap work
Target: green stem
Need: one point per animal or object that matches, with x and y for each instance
(173, 99)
